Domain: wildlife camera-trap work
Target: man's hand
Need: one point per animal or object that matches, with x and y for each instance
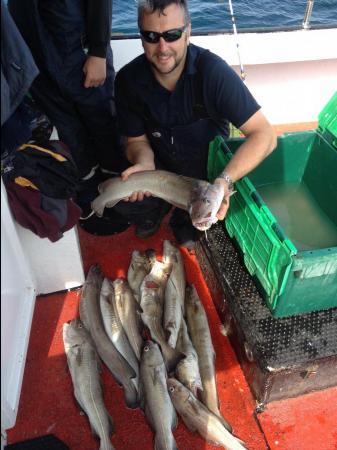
(137, 196)
(95, 71)
(225, 201)
(221, 214)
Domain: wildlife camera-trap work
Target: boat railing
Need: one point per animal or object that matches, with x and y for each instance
(307, 14)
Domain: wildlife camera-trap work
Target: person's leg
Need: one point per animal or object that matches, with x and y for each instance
(185, 233)
(147, 215)
(103, 137)
(96, 107)
(62, 112)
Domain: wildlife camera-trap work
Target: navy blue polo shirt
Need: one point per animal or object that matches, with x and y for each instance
(139, 95)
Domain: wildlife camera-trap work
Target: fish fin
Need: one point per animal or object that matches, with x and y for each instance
(111, 426)
(79, 404)
(174, 422)
(79, 356)
(171, 357)
(155, 375)
(189, 423)
(226, 424)
(149, 416)
(112, 204)
(158, 445)
(194, 405)
(131, 395)
(138, 308)
(93, 431)
(141, 395)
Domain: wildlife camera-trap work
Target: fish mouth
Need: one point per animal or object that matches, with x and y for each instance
(203, 226)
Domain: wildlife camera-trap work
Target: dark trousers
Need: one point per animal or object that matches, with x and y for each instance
(87, 124)
(152, 208)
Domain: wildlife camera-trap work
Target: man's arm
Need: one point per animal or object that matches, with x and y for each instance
(98, 25)
(140, 154)
(260, 142)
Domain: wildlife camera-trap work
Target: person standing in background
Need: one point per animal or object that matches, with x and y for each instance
(70, 43)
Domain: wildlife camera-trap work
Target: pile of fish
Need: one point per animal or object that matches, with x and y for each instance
(152, 333)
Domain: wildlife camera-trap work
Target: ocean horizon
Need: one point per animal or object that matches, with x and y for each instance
(214, 15)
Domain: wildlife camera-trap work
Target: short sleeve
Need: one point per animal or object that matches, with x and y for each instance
(226, 95)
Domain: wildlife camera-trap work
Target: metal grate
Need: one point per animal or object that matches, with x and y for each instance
(275, 342)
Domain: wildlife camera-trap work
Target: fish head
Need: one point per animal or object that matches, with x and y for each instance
(119, 286)
(187, 372)
(168, 247)
(205, 202)
(74, 334)
(151, 353)
(177, 391)
(150, 255)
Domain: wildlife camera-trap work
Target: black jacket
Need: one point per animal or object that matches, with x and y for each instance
(18, 69)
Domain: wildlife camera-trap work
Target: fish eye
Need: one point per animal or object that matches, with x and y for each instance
(171, 389)
(79, 325)
(146, 348)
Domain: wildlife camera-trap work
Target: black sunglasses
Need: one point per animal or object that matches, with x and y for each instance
(152, 37)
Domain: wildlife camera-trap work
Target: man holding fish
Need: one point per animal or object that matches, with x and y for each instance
(171, 102)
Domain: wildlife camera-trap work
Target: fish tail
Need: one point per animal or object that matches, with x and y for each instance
(131, 395)
(104, 445)
(171, 337)
(171, 357)
(160, 445)
(224, 422)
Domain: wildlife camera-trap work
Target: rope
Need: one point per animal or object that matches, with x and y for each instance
(243, 74)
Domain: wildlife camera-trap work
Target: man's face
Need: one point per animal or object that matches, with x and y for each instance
(164, 56)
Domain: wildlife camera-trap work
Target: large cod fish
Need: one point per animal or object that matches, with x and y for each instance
(198, 418)
(91, 316)
(84, 366)
(202, 341)
(201, 199)
(157, 403)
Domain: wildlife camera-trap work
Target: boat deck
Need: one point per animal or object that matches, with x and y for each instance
(47, 404)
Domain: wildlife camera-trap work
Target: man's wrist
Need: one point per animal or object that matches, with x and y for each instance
(223, 176)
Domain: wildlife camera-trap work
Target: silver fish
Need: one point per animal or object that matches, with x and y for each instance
(117, 364)
(84, 366)
(128, 312)
(172, 313)
(201, 337)
(198, 418)
(140, 265)
(114, 328)
(173, 256)
(152, 314)
(175, 292)
(187, 370)
(158, 406)
(201, 199)
(159, 275)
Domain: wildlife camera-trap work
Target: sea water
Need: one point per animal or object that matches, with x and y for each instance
(300, 216)
(214, 15)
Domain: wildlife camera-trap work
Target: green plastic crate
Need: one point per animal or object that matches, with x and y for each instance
(292, 280)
